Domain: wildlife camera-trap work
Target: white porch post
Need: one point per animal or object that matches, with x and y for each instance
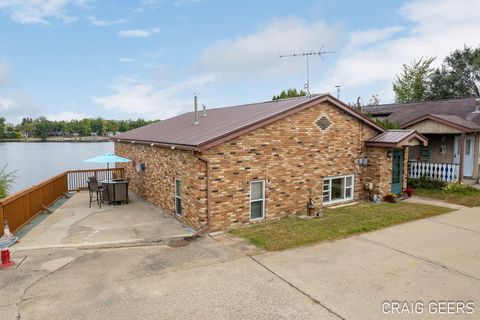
(462, 157)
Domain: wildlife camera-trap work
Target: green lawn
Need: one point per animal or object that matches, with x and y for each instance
(469, 197)
(337, 223)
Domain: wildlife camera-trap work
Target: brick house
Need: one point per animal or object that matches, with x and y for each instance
(261, 161)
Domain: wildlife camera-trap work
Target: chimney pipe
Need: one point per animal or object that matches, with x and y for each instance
(204, 110)
(195, 102)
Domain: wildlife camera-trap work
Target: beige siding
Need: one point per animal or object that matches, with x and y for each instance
(429, 126)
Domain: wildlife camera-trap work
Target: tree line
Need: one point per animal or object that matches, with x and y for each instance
(457, 77)
(43, 128)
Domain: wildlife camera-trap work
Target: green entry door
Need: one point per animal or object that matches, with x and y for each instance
(397, 171)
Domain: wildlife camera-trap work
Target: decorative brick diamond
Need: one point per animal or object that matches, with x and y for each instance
(323, 123)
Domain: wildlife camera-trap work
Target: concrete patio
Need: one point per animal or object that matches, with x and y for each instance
(74, 224)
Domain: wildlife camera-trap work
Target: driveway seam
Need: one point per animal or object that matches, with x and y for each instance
(298, 289)
(454, 226)
(432, 262)
(22, 299)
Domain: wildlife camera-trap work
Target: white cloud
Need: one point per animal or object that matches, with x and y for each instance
(103, 22)
(125, 60)
(7, 104)
(66, 115)
(151, 100)
(434, 28)
(138, 33)
(258, 53)
(38, 11)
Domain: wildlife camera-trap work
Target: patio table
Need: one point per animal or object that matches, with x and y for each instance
(117, 190)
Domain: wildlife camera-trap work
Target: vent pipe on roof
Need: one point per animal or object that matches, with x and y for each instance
(477, 106)
(195, 102)
(204, 110)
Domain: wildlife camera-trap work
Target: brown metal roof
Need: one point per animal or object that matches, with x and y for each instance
(395, 138)
(455, 111)
(223, 124)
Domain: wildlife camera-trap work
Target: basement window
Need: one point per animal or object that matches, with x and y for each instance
(337, 189)
(257, 199)
(178, 196)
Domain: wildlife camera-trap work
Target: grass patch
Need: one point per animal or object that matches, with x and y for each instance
(337, 223)
(469, 197)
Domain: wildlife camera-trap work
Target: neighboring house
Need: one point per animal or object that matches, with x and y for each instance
(452, 128)
(263, 160)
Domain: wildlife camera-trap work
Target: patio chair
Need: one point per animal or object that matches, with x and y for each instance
(95, 193)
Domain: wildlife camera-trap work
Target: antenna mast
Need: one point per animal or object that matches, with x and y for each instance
(320, 53)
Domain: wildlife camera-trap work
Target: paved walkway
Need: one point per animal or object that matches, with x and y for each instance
(435, 259)
(74, 224)
(434, 202)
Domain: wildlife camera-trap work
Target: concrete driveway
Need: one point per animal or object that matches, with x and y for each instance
(436, 259)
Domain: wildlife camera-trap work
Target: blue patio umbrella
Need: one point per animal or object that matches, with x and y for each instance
(107, 158)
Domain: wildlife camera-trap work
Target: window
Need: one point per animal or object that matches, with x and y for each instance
(468, 147)
(337, 189)
(257, 199)
(178, 196)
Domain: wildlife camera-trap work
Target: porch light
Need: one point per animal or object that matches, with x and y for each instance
(389, 154)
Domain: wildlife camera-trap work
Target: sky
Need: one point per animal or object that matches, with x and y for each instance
(70, 59)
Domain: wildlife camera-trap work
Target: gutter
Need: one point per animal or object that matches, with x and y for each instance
(155, 144)
(207, 175)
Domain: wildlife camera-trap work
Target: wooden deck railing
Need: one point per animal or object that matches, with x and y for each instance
(77, 179)
(23, 206)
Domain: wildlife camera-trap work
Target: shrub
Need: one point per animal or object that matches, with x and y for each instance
(408, 191)
(457, 187)
(390, 197)
(425, 183)
(6, 179)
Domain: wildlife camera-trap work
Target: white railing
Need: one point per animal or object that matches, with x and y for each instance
(447, 172)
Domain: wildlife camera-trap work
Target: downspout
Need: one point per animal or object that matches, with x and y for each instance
(207, 177)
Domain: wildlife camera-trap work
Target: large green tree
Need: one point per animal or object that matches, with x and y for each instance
(412, 84)
(290, 93)
(457, 77)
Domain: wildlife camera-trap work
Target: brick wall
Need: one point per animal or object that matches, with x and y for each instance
(156, 183)
(293, 155)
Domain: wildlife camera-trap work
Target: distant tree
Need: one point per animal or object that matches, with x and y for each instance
(6, 180)
(412, 85)
(290, 93)
(42, 128)
(374, 100)
(3, 128)
(458, 76)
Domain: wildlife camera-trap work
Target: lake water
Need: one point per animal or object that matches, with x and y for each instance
(37, 161)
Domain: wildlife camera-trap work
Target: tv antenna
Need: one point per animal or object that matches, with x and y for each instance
(320, 53)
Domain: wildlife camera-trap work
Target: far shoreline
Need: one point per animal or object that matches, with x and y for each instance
(60, 139)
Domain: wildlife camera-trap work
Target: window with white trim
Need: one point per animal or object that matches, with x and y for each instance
(257, 199)
(178, 196)
(337, 189)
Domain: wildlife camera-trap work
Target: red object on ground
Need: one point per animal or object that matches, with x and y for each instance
(6, 262)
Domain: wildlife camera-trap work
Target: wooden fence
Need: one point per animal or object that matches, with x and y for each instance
(447, 172)
(21, 207)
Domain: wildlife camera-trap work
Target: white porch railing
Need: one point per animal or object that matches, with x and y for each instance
(447, 172)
